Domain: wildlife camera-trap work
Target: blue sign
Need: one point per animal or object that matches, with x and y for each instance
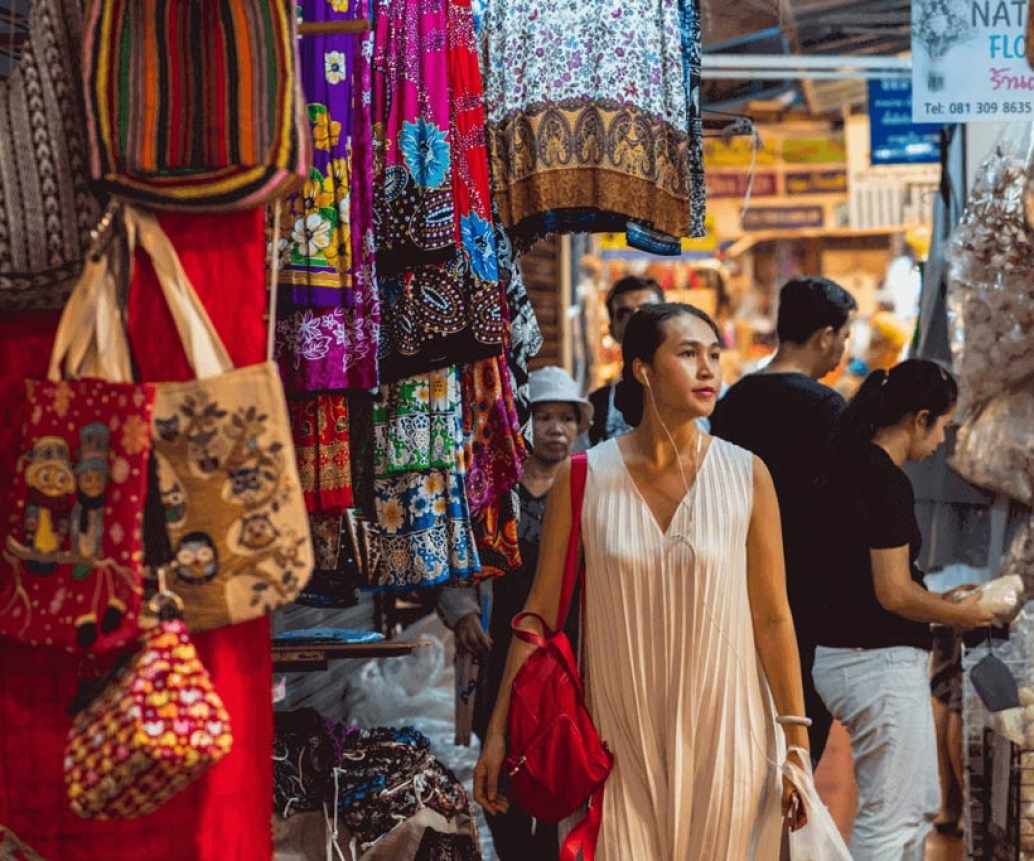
(893, 137)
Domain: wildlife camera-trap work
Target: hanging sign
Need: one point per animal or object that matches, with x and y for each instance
(724, 185)
(969, 62)
(893, 137)
(782, 217)
(816, 182)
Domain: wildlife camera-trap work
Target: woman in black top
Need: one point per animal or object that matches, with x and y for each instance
(871, 667)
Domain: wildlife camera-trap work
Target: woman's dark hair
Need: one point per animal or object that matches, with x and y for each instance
(885, 398)
(646, 332)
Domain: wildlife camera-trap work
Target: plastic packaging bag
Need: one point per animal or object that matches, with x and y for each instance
(1003, 595)
(995, 447)
(991, 277)
(1019, 559)
(819, 840)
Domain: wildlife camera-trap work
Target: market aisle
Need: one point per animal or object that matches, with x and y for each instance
(836, 785)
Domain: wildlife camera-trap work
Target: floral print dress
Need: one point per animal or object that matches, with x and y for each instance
(593, 120)
(328, 317)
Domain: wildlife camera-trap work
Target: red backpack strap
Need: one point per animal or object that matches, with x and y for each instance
(579, 471)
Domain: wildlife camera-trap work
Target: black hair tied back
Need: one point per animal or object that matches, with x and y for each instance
(886, 397)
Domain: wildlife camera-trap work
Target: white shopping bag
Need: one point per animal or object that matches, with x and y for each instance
(819, 840)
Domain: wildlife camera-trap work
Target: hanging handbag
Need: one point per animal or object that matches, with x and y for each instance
(227, 474)
(556, 760)
(157, 727)
(46, 206)
(195, 106)
(72, 576)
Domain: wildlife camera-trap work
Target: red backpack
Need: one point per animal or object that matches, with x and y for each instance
(557, 760)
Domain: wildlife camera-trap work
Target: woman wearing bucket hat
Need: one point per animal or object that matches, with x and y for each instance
(559, 414)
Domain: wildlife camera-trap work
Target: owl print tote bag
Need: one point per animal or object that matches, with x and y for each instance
(71, 574)
(227, 476)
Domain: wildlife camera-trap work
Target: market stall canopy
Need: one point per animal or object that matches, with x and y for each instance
(810, 28)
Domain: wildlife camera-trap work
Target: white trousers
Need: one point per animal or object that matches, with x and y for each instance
(882, 697)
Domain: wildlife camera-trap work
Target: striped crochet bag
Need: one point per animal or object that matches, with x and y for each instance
(195, 106)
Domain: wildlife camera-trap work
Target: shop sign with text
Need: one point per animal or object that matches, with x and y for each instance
(723, 185)
(893, 137)
(969, 62)
(816, 182)
(782, 217)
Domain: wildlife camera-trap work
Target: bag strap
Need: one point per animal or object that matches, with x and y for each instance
(205, 350)
(91, 338)
(579, 472)
(582, 838)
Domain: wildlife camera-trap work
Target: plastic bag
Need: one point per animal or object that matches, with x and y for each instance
(1019, 559)
(1002, 596)
(819, 840)
(991, 275)
(995, 448)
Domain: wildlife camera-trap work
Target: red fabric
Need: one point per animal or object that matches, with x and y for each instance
(226, 815)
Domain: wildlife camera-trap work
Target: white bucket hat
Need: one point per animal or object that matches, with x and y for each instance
(554, 385)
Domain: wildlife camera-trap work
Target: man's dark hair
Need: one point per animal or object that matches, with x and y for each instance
(629, 284)
(809, 304)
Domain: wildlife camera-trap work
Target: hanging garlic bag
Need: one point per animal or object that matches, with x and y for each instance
(991, 276)
(995, 448)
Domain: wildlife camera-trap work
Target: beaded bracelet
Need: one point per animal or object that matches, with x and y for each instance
(793, 720)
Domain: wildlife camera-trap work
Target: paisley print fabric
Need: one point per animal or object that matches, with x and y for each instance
(589, 122)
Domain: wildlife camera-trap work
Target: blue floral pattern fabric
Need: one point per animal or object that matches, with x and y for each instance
(424, 533)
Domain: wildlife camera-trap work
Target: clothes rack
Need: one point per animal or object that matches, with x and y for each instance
(332, 28)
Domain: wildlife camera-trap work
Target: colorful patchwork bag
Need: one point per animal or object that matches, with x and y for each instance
(157, 727)
(195, 106)
(72, 573)
(227, 474)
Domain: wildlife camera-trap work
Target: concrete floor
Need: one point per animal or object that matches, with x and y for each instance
(835, 783)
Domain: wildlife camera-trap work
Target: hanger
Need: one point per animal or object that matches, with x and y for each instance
(726, 125)
(332, 28)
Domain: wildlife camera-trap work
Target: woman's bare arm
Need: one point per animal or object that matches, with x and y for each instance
(770, 610)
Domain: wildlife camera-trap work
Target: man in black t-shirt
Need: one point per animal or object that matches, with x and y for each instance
(786, 417)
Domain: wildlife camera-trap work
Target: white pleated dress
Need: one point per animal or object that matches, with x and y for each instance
(692, 726)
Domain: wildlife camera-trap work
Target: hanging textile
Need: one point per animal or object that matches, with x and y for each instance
(320, 427)
(47, 208)
(438, 266)
(495, 532)
(328, 319)
(593, 118)
(35, 687)
(423, 518)
(491, 432)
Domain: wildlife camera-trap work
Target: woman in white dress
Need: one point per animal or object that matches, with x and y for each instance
(690, 652)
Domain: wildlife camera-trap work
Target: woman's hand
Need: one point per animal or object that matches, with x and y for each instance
(793, 809)
(486, 775)
(970, 613)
